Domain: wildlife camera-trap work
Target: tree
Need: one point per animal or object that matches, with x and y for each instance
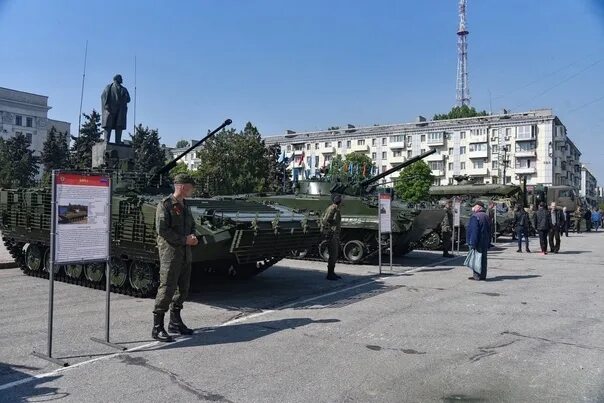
(182, 144)
(180, 168)
(413, 184)
(233, 162)
(149, 156)
(90, 134)
(355, 167)
(458, 112)
(55, 151)
(18, 166)
(279, 177)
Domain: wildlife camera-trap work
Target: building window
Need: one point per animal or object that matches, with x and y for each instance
(348, 143)
(494, 132)
(462, 135)
(29, 137)
(383, 168)
(289, 148)
(298, 147)
(384, 141)
(339, 144)
(478, 164)
(361, 142)
(495, 165)
(374, 156)
(450, 181)
(462, 165)
(308, 146)
(478, 147)
(423, 150)
(409, 153)
(29, 122)
(19, 120)
(327, 144)
(450, 166)
(384, 155)
(494, 148)
(328, 158)
(526, 146)
(397, 153)
(508, 132)
(317, 161)
(409, 139)
(309, 161)
(435, 137)
(423, 138)
(398, 138)
(451, 151)
(462, 150)
(316, 146)
(436, 165)
(373, 142)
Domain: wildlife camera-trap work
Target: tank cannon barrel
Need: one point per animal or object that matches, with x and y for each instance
(166, 168)
(410, 161)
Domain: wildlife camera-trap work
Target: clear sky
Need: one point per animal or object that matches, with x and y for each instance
(307, 65)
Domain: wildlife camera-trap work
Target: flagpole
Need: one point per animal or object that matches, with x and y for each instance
(134, 129)
(82, 93)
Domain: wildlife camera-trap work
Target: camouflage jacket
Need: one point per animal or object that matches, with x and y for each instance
(173, 222)
(332, 219)
(447, 223)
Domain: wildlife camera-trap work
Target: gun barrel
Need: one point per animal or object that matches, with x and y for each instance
(410, 161)
(166, 168)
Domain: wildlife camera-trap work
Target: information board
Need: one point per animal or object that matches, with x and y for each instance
(456, 213)
(385, 217)
(82, 217)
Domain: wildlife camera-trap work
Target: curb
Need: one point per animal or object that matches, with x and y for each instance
(8, 265)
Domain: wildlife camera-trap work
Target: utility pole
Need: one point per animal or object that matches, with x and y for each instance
(505, 163)
(463, 91)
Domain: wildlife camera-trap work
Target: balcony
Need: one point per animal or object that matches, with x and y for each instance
(438, 172)
(480, 138)
(525, 170)
(396, 144)
(433, 142)
(327, 150)
(526, 137)
(355, 148)
(526, 153)
(397, 160)
(478, 154)
(298, 152)
(435, 157)
(478, 171)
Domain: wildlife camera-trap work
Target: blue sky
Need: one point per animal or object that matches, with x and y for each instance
(307, 65)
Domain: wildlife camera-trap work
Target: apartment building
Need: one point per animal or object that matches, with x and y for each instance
(589, 186)
(501, 148)
(191, 159)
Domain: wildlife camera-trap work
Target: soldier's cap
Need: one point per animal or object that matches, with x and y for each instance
(478, 203)
(336, 198)
(184, 178)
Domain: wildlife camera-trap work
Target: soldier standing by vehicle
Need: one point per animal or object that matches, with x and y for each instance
(578, 215)
(175, 236)
(446, 229)
(332, 219)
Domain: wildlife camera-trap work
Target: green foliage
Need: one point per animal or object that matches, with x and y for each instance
(18, 166)
(180, 168)
(413, 184)
(182, 144)
(149, 154)
(234, 162)
(90, 134)
(361, 165)
(458, 112)
(55, 151)
(279, 177)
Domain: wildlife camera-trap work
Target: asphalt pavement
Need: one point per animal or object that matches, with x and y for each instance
(532, 333)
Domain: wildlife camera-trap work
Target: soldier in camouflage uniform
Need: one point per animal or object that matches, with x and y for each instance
(175, 237)
(332, 219)
(446, 229)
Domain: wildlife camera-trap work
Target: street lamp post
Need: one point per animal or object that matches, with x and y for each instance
(505, 163)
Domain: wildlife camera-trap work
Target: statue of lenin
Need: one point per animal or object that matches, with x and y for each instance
(114, 101)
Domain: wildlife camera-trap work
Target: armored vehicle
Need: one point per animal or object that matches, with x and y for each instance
(564, 196)
(236, 238)
(359, 236)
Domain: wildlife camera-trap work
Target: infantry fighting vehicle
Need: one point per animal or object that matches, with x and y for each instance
(237, 238)
(359, 236)
(505, 198)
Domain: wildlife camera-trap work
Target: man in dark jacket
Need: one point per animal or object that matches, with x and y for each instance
(566, 220)
(542, 224)
(587, 217)
(522, 225)
(478, 237)
(558, 222)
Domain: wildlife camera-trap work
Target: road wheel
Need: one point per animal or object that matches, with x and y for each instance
(142, 277)
(118, 272)
(94, 272)
(34, 257)
(354, 251)
(74, 270)
(324, 250)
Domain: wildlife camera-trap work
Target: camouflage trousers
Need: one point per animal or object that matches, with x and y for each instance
(333, 247)
(446, 239)
(174, 280)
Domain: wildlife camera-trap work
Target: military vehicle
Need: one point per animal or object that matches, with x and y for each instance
(564, 196)
(359, 236)
(236, 238)
(505, 198)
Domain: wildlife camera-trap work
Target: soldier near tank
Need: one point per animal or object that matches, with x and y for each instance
(332, 219)
(446, 229)
(114, 102)
(577, 216)
(175, 237)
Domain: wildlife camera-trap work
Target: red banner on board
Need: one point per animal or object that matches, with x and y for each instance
(82, 180)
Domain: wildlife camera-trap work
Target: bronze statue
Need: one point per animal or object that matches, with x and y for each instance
(114, 101)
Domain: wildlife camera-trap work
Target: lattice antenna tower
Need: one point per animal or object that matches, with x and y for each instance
(463, 91)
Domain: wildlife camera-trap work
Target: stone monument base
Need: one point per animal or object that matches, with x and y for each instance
(109, 155)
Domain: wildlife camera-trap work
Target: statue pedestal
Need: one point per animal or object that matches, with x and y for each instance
(103, 154)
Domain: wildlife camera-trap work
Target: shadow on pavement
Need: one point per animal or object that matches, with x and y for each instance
(281, 286)
(241, 332)
(519, 277)
(29, 391)
(573, 252)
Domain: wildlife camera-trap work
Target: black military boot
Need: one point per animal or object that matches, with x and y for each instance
(158, 332)
(176, 324)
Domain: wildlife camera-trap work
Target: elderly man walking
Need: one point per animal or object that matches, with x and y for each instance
(558, 222)
(478, 237)
(542, 224)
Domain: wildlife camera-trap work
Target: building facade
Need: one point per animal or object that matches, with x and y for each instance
(191, 159)
(501, 148)
(589, 187)
(27, 114)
